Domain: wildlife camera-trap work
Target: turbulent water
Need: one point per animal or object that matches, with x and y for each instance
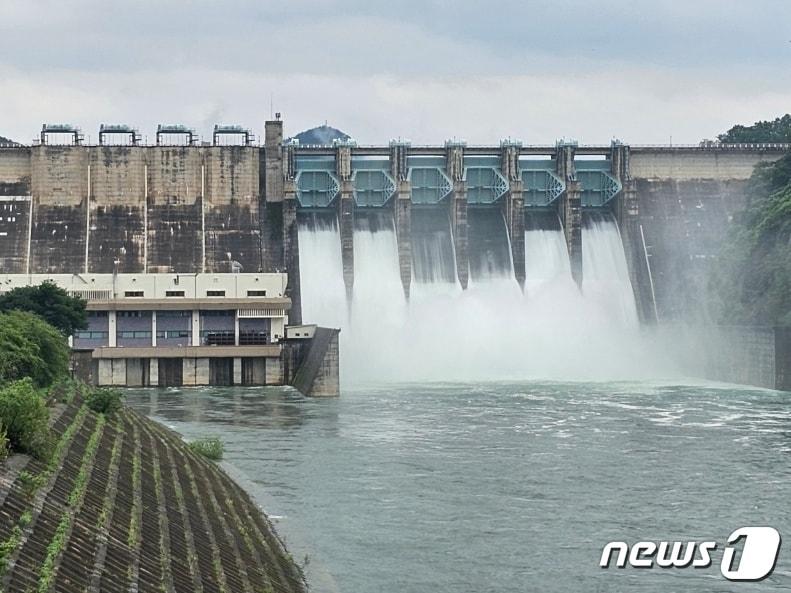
(491, 331)
(502, 487)
(605, 276)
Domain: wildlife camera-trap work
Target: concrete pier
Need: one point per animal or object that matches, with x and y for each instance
(571, 208)
(513, 208)
(402, 211)
(627, 213)
(454, 163)
(279, 231)
(343, 169)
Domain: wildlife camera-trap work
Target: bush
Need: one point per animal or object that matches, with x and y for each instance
(29, 347)
(30, 483)
(104, 400)
(211, 448)
(25, 417)
(51, 303)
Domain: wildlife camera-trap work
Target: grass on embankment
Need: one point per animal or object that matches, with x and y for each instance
(120, 502)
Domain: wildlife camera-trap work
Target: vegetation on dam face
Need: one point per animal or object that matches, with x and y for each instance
(95, 497)
(751, 282)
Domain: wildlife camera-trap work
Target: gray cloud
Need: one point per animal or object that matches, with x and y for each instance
(430, 69)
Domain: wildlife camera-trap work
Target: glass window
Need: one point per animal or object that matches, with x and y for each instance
(134, 334)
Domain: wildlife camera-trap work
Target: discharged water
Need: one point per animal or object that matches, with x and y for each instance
(491, 331)
(502, 487)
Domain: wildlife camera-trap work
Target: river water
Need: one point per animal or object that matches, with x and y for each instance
(502, 487)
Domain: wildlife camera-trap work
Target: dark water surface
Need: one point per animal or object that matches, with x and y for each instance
(502, 487)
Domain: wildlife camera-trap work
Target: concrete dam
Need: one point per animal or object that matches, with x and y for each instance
(494, 258)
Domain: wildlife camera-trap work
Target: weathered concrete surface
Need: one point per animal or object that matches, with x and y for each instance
(14, 229)
(15, 171)
(744, 355)
(513, 208)
(273, 178)
(627, 213)
(175, 215)
(687, 199)
(402, 215)
(685, 224)
(118, 209)
(346, 226)
(232, 228)
(454, 159)
(318, 368)
(59, 187)
(683, 164)
(514, 214)
(571, 209)
(346, 205)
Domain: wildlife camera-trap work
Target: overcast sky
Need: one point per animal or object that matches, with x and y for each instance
(422, 70)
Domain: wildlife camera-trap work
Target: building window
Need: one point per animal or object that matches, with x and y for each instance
(215, 293)
(171, 334)
(256, 293)
(91, 335)
(133, 293)
(218, 313)
(217, 338)
(130, 313)
(253, 338)
(134, 334)
(92, 314)
(163, 314)
(174, 293)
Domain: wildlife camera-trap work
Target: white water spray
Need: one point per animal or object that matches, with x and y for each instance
(491, 331)
(322, 289)
(605, 274)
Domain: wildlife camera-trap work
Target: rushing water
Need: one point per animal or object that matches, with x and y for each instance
(491, 331)
(503, 487)
(605, 274)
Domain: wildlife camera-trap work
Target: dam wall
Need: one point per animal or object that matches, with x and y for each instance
(130, 209)
(224, 208)
(686, 200)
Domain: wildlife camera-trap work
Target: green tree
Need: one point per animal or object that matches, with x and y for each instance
(24, 416)
(29, 347)
(51, 303)
(751, 282)
(778, 130)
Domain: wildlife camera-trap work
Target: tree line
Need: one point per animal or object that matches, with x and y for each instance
(751, 280)
(35, 323)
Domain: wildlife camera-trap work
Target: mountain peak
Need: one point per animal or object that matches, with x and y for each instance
(320, 136)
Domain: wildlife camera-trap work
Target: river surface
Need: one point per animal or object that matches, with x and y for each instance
(501, 487)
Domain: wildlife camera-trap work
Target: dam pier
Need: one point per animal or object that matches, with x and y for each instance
(102, 219)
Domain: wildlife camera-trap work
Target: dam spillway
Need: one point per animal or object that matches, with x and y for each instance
(493, 329)
(510, 224)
